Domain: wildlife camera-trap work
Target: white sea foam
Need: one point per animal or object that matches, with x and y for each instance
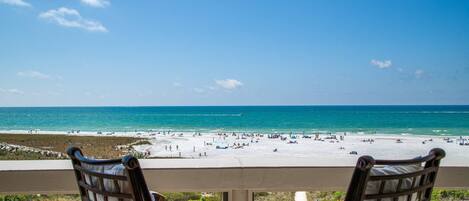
(433, 112)
(195, 115)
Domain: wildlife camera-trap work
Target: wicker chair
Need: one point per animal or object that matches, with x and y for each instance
(419, 184)
(109, 180)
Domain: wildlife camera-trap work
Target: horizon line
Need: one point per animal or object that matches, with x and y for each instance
(273, 105)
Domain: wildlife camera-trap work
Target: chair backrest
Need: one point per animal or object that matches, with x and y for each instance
(109, 180)
(419, 183)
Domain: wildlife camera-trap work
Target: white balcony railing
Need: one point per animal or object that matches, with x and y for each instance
(238, 177)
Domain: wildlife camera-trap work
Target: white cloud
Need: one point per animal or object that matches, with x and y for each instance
(16, 3)
(96, 3)
(177, 84)
(11, 91)
(418, 73)
(381, 64)
(33, 74)
(212, 88)
(67, 17)
(199, 90)
(229, 83)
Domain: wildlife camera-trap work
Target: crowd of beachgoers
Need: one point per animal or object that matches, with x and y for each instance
(325, 147)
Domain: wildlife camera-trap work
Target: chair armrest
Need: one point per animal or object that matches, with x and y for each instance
(157, 196)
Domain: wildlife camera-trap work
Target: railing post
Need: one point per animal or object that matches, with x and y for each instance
(225, 196)
(240, 195)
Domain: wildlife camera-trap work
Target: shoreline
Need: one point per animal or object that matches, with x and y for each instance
(140, 132)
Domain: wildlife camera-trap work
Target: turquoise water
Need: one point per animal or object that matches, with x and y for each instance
(430, 120)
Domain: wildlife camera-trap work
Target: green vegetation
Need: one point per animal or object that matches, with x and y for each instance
(193, 196)
(329, 196)
(141, 142)
(97, 146)
(169, 196)
(290, 196)
(450, 195)
(23, 155)
(274, 196)
(40, 198)
(438, 195)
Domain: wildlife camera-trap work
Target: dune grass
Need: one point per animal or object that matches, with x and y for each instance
(97, 146)
(22, 155)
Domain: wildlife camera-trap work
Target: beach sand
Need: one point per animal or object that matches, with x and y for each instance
(326, 150)
(322, 150)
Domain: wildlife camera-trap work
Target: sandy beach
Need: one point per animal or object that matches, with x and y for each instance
(331, 147)
(326, 147)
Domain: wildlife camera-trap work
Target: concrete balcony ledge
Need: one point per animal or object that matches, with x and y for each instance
(240, 175)
(185, 163)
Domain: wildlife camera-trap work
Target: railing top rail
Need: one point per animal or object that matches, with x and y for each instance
(230, 163)
(206, 175)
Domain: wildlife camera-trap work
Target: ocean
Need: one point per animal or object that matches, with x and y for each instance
(402, 120)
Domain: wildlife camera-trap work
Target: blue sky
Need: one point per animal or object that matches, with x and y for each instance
(109, 52)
